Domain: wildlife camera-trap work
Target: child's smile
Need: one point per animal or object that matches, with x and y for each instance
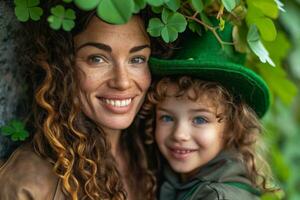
(188, 133)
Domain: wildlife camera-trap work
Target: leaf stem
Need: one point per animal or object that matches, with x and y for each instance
(212, 29)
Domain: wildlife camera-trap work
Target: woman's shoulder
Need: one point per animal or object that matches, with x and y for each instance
(25, 173)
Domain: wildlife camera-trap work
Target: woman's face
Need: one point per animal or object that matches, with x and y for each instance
(113, 71)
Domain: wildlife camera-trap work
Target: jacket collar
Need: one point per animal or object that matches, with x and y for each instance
(227, 166)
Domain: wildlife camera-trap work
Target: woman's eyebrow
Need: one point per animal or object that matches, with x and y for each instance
(138, 48)
(97, 45)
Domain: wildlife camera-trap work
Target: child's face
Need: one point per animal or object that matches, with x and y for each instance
(188, 132)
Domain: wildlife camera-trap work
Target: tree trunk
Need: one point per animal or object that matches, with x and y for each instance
(11, 80)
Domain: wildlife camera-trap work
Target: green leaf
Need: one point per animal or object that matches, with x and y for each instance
(68, 25)
(230, 4)
(205, 19)
(279, 84)
(62, 18)
(87, 4)
(165, 15)
(115, 11)
(222, 24)
(22, 13)
(21, 3)
(139, 5)
(15, 129)
(70, 14)
(156, 2)
(256, 45)
(27, 9)
(55, 22)
(58, 10)
(198, 5)
(194, 27)
(32, 3)
(169, 34)
(35, 13)
(173, 5)
(267, 7)
(157, 10)
(266, 28)
(67, 1)
(178, 22)
(155, 27)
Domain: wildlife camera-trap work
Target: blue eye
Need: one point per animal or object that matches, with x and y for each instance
(199, 120)
(166, 118)
(138, 60)
(94, 59)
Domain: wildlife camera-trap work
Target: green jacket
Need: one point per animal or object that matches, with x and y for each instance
(224, 178)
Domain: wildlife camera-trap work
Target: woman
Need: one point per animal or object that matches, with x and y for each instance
(90, 84)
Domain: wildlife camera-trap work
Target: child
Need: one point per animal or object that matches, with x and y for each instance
(206, 124)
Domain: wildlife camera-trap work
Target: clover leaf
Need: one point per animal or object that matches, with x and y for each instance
(62, 18)
(257, 46)
(172, 23)
(87, 5)
(111, 11)
(230, 4)
(28, 9)
(198, 5)
(16, 130)
(157, 2)
(173, 5)
(139, 5)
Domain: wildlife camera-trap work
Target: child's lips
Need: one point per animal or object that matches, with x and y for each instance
(181, 153)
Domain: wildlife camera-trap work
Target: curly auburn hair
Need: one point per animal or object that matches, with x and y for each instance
(78, 149)
(243, 123)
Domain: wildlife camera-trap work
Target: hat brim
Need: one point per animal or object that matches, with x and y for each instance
(241, 81)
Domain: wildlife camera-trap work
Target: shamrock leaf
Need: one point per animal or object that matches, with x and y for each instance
(257, 47)
(115, 11)
(28, 9)
(87, 5)
(173, 5)
(169, 27)
(139, 5)
(194, 27)
(155, 27)
(157, 2)
(230, 4)
(112, 11)
(62, 18)
(198, 5)
(16, 130)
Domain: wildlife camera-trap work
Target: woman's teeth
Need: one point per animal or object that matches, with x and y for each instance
(118, 103)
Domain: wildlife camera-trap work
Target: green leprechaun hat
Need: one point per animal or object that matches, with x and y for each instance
(205, 58)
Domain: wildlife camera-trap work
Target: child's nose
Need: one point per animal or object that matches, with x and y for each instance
(181, 132)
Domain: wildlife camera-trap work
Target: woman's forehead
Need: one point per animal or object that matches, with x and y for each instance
(99, 31)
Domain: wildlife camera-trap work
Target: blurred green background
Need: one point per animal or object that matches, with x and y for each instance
(282, 122)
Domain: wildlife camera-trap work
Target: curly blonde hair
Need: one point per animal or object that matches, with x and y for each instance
(78, 149)
(243, 123)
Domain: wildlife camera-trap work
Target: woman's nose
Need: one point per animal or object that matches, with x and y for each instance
(121, 78)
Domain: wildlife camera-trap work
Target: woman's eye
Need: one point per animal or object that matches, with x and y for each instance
(166, 118)
(95, 59)
(138, 60)
(199, 120)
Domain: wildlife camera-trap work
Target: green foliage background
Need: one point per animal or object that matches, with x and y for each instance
(282, 123)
